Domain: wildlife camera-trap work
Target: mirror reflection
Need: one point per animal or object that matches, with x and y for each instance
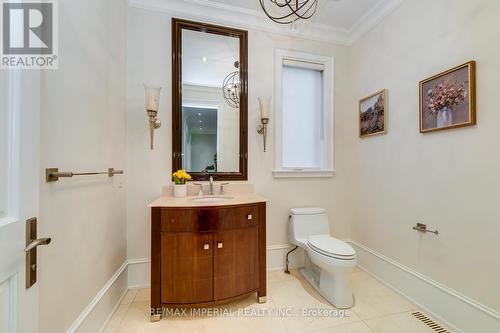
(210, 102)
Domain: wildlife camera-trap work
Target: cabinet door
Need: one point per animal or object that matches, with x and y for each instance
(236, 264)
(186, 267)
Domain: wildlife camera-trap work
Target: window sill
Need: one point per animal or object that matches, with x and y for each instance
(303, 173)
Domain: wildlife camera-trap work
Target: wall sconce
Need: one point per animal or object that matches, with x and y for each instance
(152, 106)
(264, 106)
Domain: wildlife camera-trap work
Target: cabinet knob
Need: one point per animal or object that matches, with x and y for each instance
(249, 216)
(172, 221)
(206, 246)
(220, 245)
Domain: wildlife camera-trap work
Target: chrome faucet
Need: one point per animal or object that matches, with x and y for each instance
(211, 185)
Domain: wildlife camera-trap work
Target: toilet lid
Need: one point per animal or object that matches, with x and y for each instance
(307, 211)
(331, 247)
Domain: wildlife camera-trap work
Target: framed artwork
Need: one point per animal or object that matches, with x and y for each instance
(373, 114)
(448, 99)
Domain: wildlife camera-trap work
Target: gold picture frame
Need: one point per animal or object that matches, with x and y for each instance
(372, 126)
(457, 85)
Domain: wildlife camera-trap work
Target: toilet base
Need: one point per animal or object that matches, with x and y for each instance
(336, 289)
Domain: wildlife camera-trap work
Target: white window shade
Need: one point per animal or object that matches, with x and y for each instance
(304, 64)
(304, 115)
(302, 118)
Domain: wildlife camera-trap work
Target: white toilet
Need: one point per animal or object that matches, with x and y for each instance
(329, 260)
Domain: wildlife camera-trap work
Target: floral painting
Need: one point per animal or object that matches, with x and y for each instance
(447, 100)
(373, 114)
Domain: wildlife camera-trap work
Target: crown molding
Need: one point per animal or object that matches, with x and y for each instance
(221, 13)
(372, 18)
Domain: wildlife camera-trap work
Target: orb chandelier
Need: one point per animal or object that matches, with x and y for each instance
(231, 87)
(289, 11)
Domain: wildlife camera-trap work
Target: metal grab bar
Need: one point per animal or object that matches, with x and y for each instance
(53, 174)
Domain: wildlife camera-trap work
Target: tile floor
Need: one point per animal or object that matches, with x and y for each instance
(378, 309)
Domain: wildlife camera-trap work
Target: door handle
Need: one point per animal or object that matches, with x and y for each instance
(37, 242)
(32, 242)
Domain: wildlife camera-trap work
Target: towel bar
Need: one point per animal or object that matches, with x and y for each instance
(53, 174)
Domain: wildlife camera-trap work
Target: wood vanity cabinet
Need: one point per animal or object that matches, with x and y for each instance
(207, 255)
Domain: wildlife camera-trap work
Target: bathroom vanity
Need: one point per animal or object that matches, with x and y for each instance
(207, 250)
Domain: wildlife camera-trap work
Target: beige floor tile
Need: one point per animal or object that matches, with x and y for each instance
(299, 296)
(129, 297)
(384, 310)
(373, 299)
(358, 327)
(137, 320)
(143, 295)
(357, 270)
(117, 319)
(295, 292)
(250, 302)
(280, 276)
(398, 323)
(310, 323)
(267, 324)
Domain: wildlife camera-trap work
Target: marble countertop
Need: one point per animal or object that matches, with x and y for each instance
(189, 202)
(241, 194)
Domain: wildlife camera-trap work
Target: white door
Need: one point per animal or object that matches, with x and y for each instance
(19, 195)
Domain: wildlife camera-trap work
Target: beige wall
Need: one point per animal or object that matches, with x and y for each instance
(382, 185)
(447, 179)
(149, 60)
(83, 128)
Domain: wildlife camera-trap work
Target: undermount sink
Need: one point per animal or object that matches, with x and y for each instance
(212, 198)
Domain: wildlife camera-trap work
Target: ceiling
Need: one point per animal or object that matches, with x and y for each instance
(341, 14)
(336, 21)
(200, 120)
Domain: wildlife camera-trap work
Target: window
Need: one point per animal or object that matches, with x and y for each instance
(304, 115)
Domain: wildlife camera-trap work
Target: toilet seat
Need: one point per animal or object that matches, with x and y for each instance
(331, 247)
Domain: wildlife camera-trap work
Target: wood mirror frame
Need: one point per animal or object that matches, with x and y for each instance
(177, 26)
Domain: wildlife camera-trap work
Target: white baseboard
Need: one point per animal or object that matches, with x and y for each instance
(276, 257)
(139, 273)
(452, 308)
(99, 311)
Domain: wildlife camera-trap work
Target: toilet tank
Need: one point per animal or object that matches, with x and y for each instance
(305, 222)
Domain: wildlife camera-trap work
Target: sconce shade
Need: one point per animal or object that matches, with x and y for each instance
(264, 106)
(152, 98)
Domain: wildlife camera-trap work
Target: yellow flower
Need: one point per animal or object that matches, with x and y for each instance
(180, 176)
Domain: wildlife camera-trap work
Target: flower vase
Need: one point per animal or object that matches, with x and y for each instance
(444, 117)
(180, 190)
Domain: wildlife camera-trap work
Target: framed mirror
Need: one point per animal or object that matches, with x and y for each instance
(209, 100)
